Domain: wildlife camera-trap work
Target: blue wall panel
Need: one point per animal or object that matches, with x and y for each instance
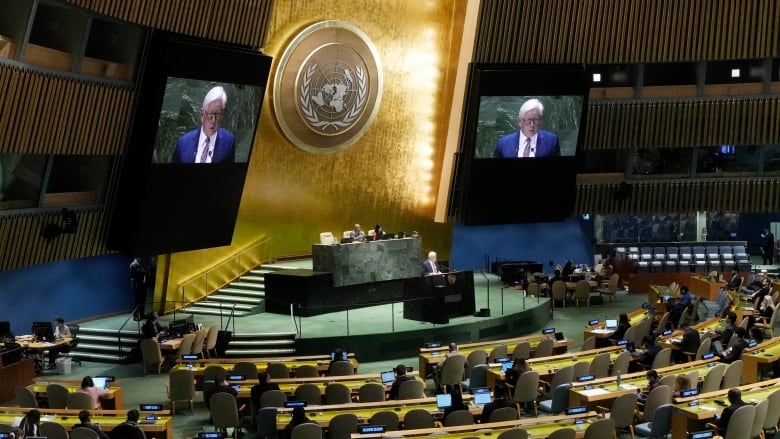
(73, 289)
(473, 246)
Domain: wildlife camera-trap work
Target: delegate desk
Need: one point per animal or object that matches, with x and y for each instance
(323, 414)
(635, 317)
(760, 358)
(535, 427)
(686, 418)
(162, 428)
(547, 366)
(113, 401)
(432, 357)
(706, 328)
(603, 391)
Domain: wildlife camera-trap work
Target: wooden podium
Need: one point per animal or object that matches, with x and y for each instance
(438, 297)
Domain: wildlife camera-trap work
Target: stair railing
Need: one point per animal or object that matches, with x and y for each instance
(119, 331)
(230, 317)
(231, 268)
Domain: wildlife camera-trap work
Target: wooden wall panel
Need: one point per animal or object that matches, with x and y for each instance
(759, 195)
(682, 123)
(48, 114)
(619, 31)
(244, 22)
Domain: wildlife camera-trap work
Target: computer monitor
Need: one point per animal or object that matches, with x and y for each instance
(443, 400)
(190, 322)
(43, 331)
(178, 328)
(481, 396)
(388, 377)
(100, 383)
(505, 367)
(611, 323)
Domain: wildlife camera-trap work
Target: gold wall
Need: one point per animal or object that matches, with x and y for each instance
(391, 174)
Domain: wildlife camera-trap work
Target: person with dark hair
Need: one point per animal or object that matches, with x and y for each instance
(220, 385)
(30, 423)
(685, 295)
(61, 331)
(768, 246)
(756, 335)
(519, 367)
(653, 381)
(501, 399)
(298, 418)
(733, 353)
(88, 387)
(689, 343)
(400, 377)
(153, 328)
(763, 291)
(735, 402)
(623, 325)
(568, 270)
(735, 281)
(457, 402)
(379, 232)
(132, 421)
(86, 422)
(676, 309)
(649, 350)
(139, 282)
(731, 325)
(261, 387)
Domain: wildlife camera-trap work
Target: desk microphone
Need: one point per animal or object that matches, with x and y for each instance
(443, 267)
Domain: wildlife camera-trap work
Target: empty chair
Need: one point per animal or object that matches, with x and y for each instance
(277, 370)
(308, 392)
(306, 371)
(582, 292)
(657, 397)
(564, 375)
(659, 425)
(561, 433)
(588, 344)
(477, 356)
(477, 377)
(581, 368)
(83, 433)
(559, 401)
(704, 348)
(610, 290)
(758, 419)
(662, 359)
(337, 393)
(533, 289)
(662, 323)
(151, 354)
(621, 363)
(342, 426)
(52, 430)
(732, 376)
(773, 412)
(600, 365)
(668, 380)
(246, 368)
(503, 414)
(197, 345)
(308, 430)
(713, 378)
(341, 368)
(497, 352)
(186, 344)
(603, 428)
(210, 346)
(630, 335)
(181, 387)
(57, 394)
(526, 389)
(459, 417)
(224, 412)
(371, 392)
(522, 349)
(559, 292)
(79, 401)
(418, 418)
(266, 422)
(622, 411)
(273, 398)
(210, 373)
(543, 349)
(385, 417)
(326, 238)
(452, 369)
(412, 389)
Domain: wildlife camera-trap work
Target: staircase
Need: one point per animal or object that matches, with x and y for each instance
(107, 345)
(261, 345)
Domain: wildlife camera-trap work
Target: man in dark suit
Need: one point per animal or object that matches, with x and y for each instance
(208, 143)
(528, 140)
(690, 343)
(400, 377)
(430, 266)
(735, 401)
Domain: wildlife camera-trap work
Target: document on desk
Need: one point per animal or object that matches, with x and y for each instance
(602, 331)
(594, 392)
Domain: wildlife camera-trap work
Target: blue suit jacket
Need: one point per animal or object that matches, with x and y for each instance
(546, 145)
(187, 147)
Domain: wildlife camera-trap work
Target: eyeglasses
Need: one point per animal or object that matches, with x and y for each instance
(534, 121)
(212, 116)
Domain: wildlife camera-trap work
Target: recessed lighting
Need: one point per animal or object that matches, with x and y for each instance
(735, 73)
(597, 77)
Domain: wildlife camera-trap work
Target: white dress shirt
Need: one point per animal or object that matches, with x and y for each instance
(521, 148)
(202, 144)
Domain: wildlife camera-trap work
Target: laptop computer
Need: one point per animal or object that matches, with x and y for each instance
(443, 400)
(388, 377)
(505, 367)
(611, 324)
(481, 396)
(100, 383)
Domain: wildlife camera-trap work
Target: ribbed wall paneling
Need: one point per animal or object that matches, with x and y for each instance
(45, 114)
(22, 243)
(761, 195)
(674, 124)
(244, 22)
(618, 31)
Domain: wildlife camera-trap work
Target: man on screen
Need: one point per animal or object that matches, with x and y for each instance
(209, 143)
(528, 140)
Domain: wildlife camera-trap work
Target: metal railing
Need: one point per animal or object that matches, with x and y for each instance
(119, 331)
(230, 269)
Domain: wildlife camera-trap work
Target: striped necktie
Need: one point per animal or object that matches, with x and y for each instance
(205, 154)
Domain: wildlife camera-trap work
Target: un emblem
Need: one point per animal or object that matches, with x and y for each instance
(328, 87)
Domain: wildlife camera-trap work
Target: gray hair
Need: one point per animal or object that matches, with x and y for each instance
(529, 105)
(215, 94)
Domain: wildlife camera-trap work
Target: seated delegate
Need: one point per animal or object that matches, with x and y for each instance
(88, 387)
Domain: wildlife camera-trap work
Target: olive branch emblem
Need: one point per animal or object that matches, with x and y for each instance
(353, 113)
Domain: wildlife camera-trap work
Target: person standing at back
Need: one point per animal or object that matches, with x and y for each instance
(768, 246)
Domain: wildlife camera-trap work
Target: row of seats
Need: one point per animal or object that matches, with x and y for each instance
(684, 259)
